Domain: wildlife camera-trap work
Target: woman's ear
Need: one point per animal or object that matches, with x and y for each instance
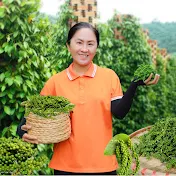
(68, 46)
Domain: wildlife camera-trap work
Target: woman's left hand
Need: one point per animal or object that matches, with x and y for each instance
(148, 81)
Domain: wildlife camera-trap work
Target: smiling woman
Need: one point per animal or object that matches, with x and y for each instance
(82, 47)
(97, 95)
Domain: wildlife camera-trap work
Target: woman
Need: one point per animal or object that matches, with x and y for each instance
(97, 94)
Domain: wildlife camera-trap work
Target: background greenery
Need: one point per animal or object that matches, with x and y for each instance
(32, 49)
(164, 33)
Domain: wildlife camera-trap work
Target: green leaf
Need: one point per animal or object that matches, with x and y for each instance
(7, 10)
(21, 109)
(13, 129)
(5, 44)
(7, 74)
(20, 22)
(9, 1)
(10, 95)
(3, 100)
(36, 75)
(18, 1)
(29, 83)
(12, 101)
(18, 80)
(2, 25)
(2, 94)
(1, 36)
(23, 54)
(25, 45)
(12, 90)
(15, 33)
(9, 81)
(2, 76)
(3, 88)
(19, 115)
(13, 9)
(42, 39)
(36, 30)
(2, 11)
(41, 147)
(6, 48)
(10, 49)
(4, 131)
(35, 63)
(7, 110)
(111, 147)
(1, 50)
(13, 111)
(22, 67)
(16, 105)
(23, 35)
(24, 88)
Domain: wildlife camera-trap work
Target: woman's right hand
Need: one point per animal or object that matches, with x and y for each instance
(27, 137)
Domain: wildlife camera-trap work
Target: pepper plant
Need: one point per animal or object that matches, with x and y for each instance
(24, 68)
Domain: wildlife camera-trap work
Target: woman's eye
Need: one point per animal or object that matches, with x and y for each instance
(79, 43)
(90, 44)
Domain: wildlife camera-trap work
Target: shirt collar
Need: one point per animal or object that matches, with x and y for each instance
(90, 72)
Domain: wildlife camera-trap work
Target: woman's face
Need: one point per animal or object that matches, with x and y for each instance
(83, 46)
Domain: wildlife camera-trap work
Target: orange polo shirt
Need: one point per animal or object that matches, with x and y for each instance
(91, 120)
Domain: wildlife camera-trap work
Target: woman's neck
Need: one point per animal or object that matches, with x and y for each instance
(80, 70)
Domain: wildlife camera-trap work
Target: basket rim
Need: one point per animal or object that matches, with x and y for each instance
(41, 117)
(140, 131)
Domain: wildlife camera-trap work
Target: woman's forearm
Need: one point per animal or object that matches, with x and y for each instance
(121, 107)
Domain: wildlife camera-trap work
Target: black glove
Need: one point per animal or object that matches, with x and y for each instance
(19, 131)
(121, 107)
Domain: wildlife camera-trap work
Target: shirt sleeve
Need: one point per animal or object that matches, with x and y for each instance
(49, 88)
(116, 89)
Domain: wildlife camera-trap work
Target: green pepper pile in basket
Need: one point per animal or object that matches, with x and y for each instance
(47, 106)
(143, 72)
(160, 142)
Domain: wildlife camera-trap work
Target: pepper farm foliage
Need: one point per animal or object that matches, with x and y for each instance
(37, 49)
(32, 49)
(24, 68)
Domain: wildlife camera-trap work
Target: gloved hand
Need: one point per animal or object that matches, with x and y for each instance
(148, 81)
(22, 132)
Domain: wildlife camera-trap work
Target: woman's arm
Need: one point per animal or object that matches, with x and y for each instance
(121, 107)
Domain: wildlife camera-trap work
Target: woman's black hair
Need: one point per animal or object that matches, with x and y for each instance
(81, 25)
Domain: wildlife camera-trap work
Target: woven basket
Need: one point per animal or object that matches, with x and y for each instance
(152, 167)
(49, 131)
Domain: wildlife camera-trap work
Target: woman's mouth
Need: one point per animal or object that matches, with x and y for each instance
(84, 55)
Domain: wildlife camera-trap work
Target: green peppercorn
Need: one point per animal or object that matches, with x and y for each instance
(143, 72)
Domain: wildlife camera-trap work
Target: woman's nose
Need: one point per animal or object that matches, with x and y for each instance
(84, 48)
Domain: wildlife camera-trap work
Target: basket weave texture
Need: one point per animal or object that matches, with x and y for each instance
(47, 130)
